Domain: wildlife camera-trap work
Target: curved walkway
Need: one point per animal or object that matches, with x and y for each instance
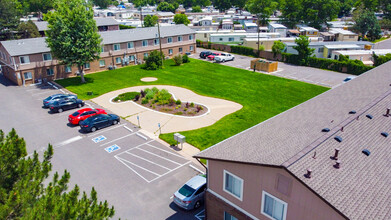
(149, 119)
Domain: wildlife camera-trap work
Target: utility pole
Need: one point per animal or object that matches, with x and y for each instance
(141, 16)
(160, 42)
(258, 34)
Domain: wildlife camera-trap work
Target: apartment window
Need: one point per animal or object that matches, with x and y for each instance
(205, 35)
(320, 50)
(102, 49)
(220, 39)
(190, 37)
(86, 65)
(102, 63)
(180, 50)
(169, 40)
(228, 216)
(118, 60)
(231, 39)
(145, 54)
(179, 38)
(68, 69)
(117, 47)
(47, 56)
(170, 51)
(191, 48)
(130, 45)
(156, 41)
(233, 185)
(23, 59)
(28, 75)
(50, 72)
(145, 43)
(351, 36)
(131, 58)
(273, 207)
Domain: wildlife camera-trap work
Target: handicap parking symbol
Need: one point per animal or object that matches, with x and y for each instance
(99, 139)
(112, 148)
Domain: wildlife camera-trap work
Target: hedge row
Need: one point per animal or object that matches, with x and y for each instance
(247, 51)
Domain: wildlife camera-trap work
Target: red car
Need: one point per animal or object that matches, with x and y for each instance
(212, 56)
(83, 114)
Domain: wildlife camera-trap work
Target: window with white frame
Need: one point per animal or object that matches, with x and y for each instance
(86, 65)
(179, 38)
(68, 69)
(50, 72)
(170, 51)
(102, 63)
(228, 216)
(180, 50)
(231, 39)
(145, 54)
(118, 60)
(169, 40)
(116, 47)
(23, 59)
(28, 75)
(47, 56)
(273, 207)
(145, 43)
(190, 37)
(233, 185)
(131, 58)
(191, 48)
(156, 41)
(130, 45)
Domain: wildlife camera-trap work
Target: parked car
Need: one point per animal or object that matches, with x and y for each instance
(83, 114)
(191, 195)
(65, 104)
(349, 78)
(213, 55)
(49, 100)
(96, 122)
(226, 57)
(204, 54)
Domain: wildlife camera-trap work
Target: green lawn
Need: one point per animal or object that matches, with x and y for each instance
(261, 95)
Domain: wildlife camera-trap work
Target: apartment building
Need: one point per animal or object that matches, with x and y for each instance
(327, 158)
(29, 61)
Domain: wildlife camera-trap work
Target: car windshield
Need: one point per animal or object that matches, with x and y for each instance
(88, 120)
(48, 98)
(75, 114)
(347, 79)
(55, 103)
(186, 190)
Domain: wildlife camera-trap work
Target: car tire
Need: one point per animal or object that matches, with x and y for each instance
(93, 129)
(79, 105)
(233, 59)
(197, 205)
(115, 122)
(223, 61)
(60, 110)
(80, 122)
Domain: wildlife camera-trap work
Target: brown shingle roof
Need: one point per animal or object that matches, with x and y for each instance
(362, 186)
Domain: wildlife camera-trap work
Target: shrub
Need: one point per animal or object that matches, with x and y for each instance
(126, 96)
(179, 106)
(185, 59)
(177, 60)
(153, 61)
(163, 97)
(261, 48)
(178, 113)
(379, 60)
(172, 102)
(248, 51)
(192, 104)
(144, 101)
(187, 105)
(150, 94)
(178, 102)
(155, 90)
(185, 109)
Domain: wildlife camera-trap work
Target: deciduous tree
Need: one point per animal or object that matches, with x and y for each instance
(277, 48)
(196, 9)
(222, 5)
(72, 34)
(367, 24)
(25, 192)
(318, 12)
(262, 8)
(303, 49)
(10, 12)
(181, 19)
(102, 3)
(28, 30)
(150, 21)
(164, 6)
(290, 10)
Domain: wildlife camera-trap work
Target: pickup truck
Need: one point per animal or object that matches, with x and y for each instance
(225, 57)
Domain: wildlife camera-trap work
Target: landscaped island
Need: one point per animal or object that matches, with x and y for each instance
(162, 101)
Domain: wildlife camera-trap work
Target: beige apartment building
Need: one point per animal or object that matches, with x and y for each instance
(29, 61)
(325, 159)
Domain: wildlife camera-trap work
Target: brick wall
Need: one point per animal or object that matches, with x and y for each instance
(216, 207)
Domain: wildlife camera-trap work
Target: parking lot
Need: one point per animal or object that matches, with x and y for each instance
(136, 174)
(305, 74)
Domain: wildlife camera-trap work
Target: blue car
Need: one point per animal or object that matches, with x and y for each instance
(51, 99)
(96, 122)
(191, 195)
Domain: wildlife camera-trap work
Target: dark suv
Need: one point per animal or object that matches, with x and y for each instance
(204, 54)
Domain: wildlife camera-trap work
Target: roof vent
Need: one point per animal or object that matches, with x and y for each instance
(308, 174)
(325, 129)
(385, 134)
(387, 112)
(337, 164)
(338, 138)
(366, 152)
(352, 112)
(335, 157)
(369, 116)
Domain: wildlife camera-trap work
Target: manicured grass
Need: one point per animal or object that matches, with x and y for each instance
(381, 39)
(261, 95)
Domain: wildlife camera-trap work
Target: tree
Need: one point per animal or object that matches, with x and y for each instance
(222, 5)
(371, 5)
(196, 9)
(10, 12)
(262, 8)
(40, 6)
(385, 6)
(239, 3)
(72, 34)
(150, 21)
(154, 61)
(164, 6)
(25, 192)
(102, 3)
(28, 30)
(345, 7)
(367, 24)
(181, 19)
(318, 12)
(277, 48)
(290, 10)
(302, 47)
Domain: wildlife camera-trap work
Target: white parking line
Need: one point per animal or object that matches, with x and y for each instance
(70, 140)
(158, 156)
(42, 92)
(196, 169)
(200, 215)
(171, 171)
(105, 130)
(117, 139)
(128, 129)
(142, 136)
(147, 160)
(166, 151)
(139, 167)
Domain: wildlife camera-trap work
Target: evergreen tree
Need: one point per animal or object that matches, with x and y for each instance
(277, 48)
(72, 34)
(10, 13)
(25, 194)
(28, 30)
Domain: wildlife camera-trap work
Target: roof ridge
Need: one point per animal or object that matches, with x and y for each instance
(333, 131)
